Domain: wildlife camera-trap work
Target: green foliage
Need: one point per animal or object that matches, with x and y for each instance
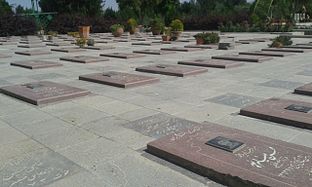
(5, 8)
(115, 27)
(281, 41)
(81, 42)
(167, 31)
(177, 25)
(157, 24)
(208, 38)
(132, 24)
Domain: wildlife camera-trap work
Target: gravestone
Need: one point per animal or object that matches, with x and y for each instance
(281, 111)
(226, 45)
(304, 90)
(39, 45)
(4, 56)
(263, 53)
(246, 42)
(84, 59)
(59, 44)
(68, 49)
(8, 43)
(122, 55)
(236, 158)
(244, 58)
(31, 42)
(35, 64)
(43, 92)
(298, 47)
(99, 47)
(181, 49)
(154, 52)
(144, 43)
(202, 46)
(285, 50)
(212, 63)
(119, 79)
(33, 52)
(172, 70)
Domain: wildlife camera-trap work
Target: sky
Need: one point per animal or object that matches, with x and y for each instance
(27, 3)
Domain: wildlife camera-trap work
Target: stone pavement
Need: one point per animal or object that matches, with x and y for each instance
(100, 139)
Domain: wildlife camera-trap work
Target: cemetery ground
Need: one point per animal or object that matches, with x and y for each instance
(105, 116)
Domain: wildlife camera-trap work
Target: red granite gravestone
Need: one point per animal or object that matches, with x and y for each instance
(35, 64)
(304, 90)
(172, 70)
(212, 63)
(33, 53)
(181, 49)
(43, 92)
(263, 53)
(286, 50)
(236, 158)
(84, 59)
(244, 58)
(68, 49)
(122, 55)
(153, 52)
(288, 112)
(118, 79)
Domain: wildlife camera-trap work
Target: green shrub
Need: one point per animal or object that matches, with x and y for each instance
(281, 41)
(131, 24)
(209, 38)
(115, 27)
(177, 25)
(157, 24)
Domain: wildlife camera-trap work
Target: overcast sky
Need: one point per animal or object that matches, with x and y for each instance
(109, 3)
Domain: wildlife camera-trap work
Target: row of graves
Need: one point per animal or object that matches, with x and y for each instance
(228, 156)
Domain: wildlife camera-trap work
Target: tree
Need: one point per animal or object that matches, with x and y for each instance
(5, 8)
(21, 10)
(82, 7)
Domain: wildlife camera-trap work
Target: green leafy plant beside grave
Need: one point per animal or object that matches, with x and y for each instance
(117, 30)
(132, 25)
(207, 38)
(177, 28)
(281, 41)
(81, 42)
(157, 26)
(166, 34)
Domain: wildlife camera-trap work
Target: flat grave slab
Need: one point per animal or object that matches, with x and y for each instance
(33, 53)
(304, 90)
(8, 43)
(286, 50)
(144, 43)
(31, 42)
(37, 45)
(122, 55)
(68, 49)
(212, 63)
(244, 58)
(121, 40)
(288, 112)
(236, 158)
(35, 64)
(202, 46)
(103, 47)
(172, 70)
(43, 92)
(268, 53)
(4, 56)
(246, 42)
(298, 47)
(84, 59)
(59, 44)
(119, 79)
(181, 49)
(154, 52)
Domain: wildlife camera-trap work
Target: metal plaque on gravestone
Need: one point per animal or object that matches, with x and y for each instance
(225, 144)
(299, 108)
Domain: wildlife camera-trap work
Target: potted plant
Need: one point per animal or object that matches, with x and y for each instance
(132, 25)
(167, 34)
(81, 42)
(117, 30)
(51, 34)
(281, 41)
(177, 28)
(84, 31)
(207, 38)
(157, 26)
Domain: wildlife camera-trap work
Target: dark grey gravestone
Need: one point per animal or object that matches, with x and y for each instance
(263, 53)
(281, 84)
(286, 50)
(212, 63)
(172, 70)
(84, 59)
(36, 169)
(234, 100)
(33, 53)
(304, 90)
(35, 64)
(159, 125)
(43, 92)
(153, 52)
(68, 50)
(99, 47)
(181, 49)
(119, 79)
(122, 55)
(202, 46)
(244, 58)
(298, 47)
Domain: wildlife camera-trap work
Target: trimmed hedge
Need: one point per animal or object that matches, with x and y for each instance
(13, 25)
